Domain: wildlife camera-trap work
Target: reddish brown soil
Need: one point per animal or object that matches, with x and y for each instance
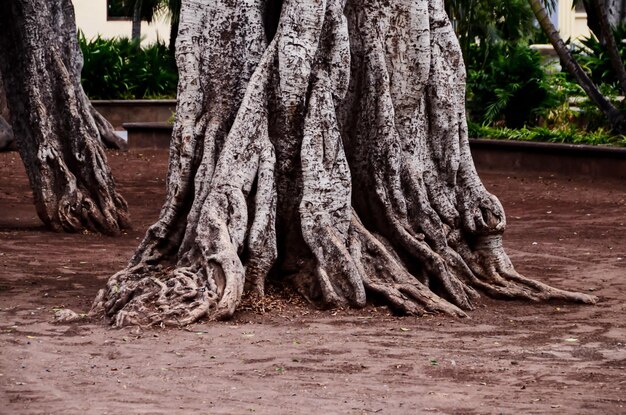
(510, 357)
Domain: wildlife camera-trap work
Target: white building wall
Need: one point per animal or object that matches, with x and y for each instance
(91, 18)
(571, 23)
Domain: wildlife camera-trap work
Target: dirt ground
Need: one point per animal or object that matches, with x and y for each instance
(509, 358)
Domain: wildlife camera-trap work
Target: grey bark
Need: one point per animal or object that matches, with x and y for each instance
(330, 152)
(616, 12)
(57, 136)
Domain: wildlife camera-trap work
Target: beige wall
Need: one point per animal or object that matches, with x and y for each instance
(91, 18)
(572, 23)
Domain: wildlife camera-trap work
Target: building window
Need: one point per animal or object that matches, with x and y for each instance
(120, 9)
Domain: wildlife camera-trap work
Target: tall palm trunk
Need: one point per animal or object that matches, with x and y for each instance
(174, 11)
(609, 41)
(615, 117)
(136, 29)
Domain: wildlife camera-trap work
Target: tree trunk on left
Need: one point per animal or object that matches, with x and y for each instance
(57, 135)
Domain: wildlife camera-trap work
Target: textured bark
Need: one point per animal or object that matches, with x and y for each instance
(57, 136)
(615, 11)
(331, 152)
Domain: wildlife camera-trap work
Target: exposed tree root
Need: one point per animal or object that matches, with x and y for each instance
(173, 297)
(339, 159)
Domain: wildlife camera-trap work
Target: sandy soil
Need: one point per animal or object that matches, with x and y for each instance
(509, 358)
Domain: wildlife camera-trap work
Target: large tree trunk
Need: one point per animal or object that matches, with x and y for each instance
(53, 121)
(333, 154)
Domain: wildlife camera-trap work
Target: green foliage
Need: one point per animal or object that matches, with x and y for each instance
(483, 25)
(594, 57)
(507, 83)
(512, 87)
(119, 69)
(566, 134)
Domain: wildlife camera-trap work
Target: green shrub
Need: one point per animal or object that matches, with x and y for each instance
(565, 134)
(594, 57)
(511, 87)
(483, 25)
(120, 69)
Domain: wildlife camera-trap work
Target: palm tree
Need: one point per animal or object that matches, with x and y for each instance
(173, 9)
(606, 30)
(615, 117)
(144, 10)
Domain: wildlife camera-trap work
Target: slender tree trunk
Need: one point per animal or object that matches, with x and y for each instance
(52, 119)
(616, 11)
(136, 27)
(609, 40)
(6, 136)
(615, 117)
(175, 17)
(6, 132)
(331, 152)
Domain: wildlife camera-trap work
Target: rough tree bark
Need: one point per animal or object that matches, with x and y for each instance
(328, 149)
(58, 137)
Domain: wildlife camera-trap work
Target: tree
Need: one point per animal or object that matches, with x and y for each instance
(146, 10)
(615, 10)
(57, 135)
(333, 155)
(6, 132)
(173, 7)
(603, 14)
(615, 117)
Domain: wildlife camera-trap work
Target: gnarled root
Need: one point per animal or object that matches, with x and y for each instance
(173, 297)
(490, 270)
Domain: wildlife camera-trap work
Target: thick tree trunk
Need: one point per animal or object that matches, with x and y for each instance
(58, 138)
(331, 150)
